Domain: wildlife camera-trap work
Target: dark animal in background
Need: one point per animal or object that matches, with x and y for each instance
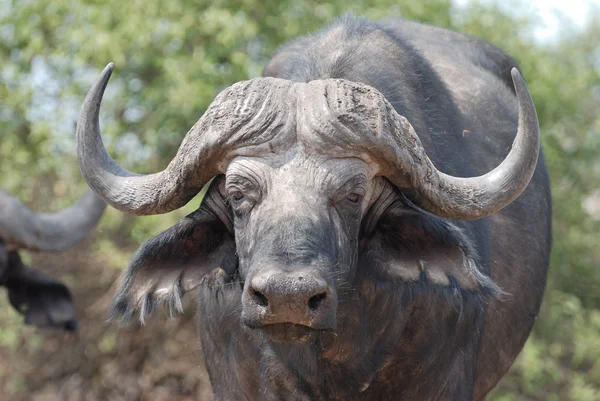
(44, 301)
(341, 252)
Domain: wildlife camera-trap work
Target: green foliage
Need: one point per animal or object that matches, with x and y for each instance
(173, 57)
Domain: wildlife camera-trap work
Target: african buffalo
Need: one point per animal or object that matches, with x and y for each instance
(375, 230)
(43, 300)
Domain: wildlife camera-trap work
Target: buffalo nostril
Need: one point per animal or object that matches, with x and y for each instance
(316, 300)
(259, 298)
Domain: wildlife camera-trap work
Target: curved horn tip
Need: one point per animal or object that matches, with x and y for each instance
(105, 76)
(107, 72)
(109, 68)
(517, 78)
(98, 88)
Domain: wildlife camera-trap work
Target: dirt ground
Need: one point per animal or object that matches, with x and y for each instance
(101, 361)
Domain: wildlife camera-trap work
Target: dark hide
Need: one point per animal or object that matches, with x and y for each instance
(444, 277)
(429, 308)
(378, 352)
(43, 301)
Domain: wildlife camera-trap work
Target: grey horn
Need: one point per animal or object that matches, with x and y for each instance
(474, 197)
(129, 192)
(22, 228)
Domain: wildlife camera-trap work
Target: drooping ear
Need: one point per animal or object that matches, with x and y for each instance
(176, 260)
(44, 301)
(427, 252)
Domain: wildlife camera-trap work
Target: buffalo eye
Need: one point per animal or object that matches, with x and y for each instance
(353, 198)
(237, 196)
(240, 202)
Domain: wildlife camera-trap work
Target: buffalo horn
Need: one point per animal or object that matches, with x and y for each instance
(22, 228)
(133, 193)
(474, 197)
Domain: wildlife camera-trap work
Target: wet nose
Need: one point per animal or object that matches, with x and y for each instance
(303, 298)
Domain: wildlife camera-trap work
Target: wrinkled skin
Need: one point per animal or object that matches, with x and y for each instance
(319, 280)
(317, 228)
(43, 301)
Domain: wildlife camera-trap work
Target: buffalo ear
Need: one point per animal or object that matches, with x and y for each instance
(176, 261)
(44, 301)
(427, 251)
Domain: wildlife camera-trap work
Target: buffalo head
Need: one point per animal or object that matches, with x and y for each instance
(304, 172)
(43, 300)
